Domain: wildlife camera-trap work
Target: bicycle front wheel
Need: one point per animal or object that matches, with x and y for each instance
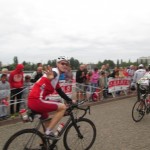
(27, 139)
(83, 141)
(138, 111)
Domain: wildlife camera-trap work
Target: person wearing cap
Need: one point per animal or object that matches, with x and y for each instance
(46, 85)
(16, 84)
(139, 73)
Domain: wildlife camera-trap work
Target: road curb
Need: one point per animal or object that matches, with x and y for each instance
(18, 119)
(111, 100)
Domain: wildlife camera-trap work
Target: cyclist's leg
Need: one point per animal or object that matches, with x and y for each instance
(57, 116)
(44, 107)
(52, 123)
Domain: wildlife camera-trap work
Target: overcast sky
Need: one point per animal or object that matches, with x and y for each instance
(88, 30)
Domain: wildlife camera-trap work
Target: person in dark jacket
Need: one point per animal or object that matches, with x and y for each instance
(80, 82)
(37, 74)
(115, 73)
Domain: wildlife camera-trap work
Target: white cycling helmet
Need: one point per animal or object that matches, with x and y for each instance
(62, 58)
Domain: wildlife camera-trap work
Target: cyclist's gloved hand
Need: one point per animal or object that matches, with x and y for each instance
(69, 103)
(48, 71)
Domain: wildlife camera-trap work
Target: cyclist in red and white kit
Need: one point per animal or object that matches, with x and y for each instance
(45, 86)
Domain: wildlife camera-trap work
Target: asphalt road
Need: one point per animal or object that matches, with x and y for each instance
(115, 128)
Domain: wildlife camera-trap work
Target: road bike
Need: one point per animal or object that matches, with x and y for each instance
(78, 133)
(141, 106)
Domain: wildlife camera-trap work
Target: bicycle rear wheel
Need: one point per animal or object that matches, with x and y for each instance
(27, 139)
(72, 140)
(138, 111)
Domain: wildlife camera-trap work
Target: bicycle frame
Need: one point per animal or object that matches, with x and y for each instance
(33, 138)
(71, 119)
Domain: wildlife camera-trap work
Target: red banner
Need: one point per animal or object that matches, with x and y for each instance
(115, 84)
(67, 88)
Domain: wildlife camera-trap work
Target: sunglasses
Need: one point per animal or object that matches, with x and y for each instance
(64, 64)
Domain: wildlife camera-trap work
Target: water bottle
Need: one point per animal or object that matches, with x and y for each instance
(24, 115)
(59, 128)
(5, 102)
(148, 101)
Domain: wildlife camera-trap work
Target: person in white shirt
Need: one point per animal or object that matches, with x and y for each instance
(139, 73)
(131, 72)
(137, 76)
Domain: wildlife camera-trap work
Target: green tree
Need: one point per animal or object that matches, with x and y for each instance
(74, 63)
(49, 62)
(129, 62)
(110, 62)
(52, 63)
(28, 66)
(121, 62)
(15, 60)
(99, 64)
(118, 63)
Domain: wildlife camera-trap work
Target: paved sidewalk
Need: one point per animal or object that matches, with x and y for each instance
(110, 99)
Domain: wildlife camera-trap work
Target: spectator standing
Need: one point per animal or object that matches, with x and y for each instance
(88, 84)
(16, 85)
(103, 68)
(88, 80)
(107, 66)
(27, 86)
(115, 73)
(125, 72)
(4, 96)
(103, 84)
(94, 79)
(37, 74)
(80, 82)
(131, 72)
(121, 72)
(85, 79)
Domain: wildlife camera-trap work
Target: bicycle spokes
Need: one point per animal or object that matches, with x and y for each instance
(138, 111)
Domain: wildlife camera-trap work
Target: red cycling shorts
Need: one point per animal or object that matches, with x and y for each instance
(43, 107)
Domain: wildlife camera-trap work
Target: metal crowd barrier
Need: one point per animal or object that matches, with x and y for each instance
(87, 91)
